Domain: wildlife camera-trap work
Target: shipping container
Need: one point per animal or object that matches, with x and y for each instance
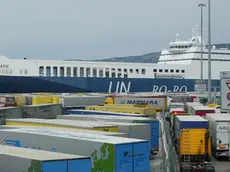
(134, 110)
(219, 125)
(158, 101)
(202, 110)
(20, 99)
(67, 130)
(107, 153)
(176, 111)
(188, 121)
(176, 105)
(17, 159)
(183, 98)
(61, 123)
(154, 123)
(7, 100)
(95, 112)
(188, 106)
(36, 100)
(141, 105)
(44, 111)
(82, 101)
(12, 112)
(134, 130)
(193, 142)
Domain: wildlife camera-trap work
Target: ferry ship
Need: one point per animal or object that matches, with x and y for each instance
(177, 70)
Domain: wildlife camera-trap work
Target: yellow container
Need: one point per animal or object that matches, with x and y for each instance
(193, 141)
(124, 109)
(128, 105)
(56, 100)
(42, 100)
(20, 100)
(47, 124)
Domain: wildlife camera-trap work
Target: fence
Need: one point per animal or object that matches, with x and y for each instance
(168, 160)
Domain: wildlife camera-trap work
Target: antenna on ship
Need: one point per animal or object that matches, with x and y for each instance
(177, 36)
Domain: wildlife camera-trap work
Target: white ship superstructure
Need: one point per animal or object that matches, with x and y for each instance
(180, 60)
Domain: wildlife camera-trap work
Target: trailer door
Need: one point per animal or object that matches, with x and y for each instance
(222, 136)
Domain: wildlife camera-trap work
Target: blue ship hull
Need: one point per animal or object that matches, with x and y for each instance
(19, 84)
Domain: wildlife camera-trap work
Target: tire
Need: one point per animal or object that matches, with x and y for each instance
(209, 168)
(185, 167)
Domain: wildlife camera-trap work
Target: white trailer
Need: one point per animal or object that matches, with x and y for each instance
(17, 159)
(219, 126)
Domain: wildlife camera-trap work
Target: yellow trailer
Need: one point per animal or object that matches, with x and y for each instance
(61, 123)
(124, 109)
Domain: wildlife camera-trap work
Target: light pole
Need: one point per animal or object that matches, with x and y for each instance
(201, 52)
(209, 52)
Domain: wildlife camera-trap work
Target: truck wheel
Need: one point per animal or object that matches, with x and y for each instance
(209, 168)
(184, 167)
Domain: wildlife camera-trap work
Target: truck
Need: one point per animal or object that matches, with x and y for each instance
(107, 153)
(20, 159)
(193, 144)
(159, 101)
(154, 123)
(220, 136)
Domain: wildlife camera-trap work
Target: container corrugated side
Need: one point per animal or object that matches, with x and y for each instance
(107, 153)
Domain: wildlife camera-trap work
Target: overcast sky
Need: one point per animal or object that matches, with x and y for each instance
(92, 29)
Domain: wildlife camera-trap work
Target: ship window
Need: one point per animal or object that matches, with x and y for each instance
(55, 71)
(125, 70)
(119, 75)
(75, 71)
(107, 74)
(131, 70)
(143, 71)
(113, 74)
(166, 70)
(100, 72)
(68, 71)
(160, 70)
(119, 70)
(154, 70)
(94, 72)
(182, 71)
(41, 71)
(21, 72)
(81, 71)
(177, 71)
(171, 70)
(88, 72)
(62, 71)
(137, 71)
(25, 71)
(48, 71)
(125, 75)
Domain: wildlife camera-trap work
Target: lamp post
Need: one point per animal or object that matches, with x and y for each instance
(201, 52)
(209, 51)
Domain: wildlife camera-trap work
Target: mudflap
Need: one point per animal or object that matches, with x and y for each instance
(209, 168)
(185, 167)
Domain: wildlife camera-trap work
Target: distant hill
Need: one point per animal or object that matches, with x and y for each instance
(147, 58)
